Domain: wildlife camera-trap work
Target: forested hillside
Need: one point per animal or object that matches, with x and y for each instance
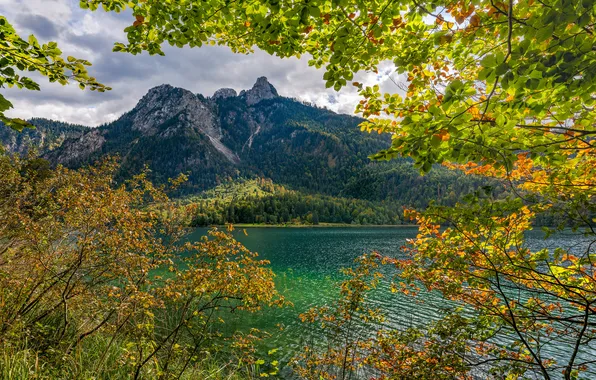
(263, 202)
(47, 136)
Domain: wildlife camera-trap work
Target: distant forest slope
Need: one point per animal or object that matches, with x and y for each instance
(260, 201)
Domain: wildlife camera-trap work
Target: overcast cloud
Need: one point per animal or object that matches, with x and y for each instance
(91, 35)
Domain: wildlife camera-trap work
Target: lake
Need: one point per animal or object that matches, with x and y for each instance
(307, 263)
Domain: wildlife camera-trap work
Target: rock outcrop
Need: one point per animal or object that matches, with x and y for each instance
(224, 93)
(261, 90)
(168, 111)
(46, 136)
(77, 149)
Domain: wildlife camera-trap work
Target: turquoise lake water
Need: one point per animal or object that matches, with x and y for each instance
(307, 263)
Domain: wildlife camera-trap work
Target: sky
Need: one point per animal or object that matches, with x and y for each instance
(91, 35)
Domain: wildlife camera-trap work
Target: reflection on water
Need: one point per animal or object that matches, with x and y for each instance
(307, 263)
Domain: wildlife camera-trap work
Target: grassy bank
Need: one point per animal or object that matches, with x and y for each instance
(102, 358)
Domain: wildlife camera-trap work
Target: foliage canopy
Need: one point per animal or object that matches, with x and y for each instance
(18, 55)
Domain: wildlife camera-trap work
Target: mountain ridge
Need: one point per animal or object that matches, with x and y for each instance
(255, 134)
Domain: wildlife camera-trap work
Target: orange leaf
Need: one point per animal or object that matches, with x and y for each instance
(475, 20)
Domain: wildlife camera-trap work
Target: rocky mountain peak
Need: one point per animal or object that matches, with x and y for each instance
(261, 90)
(224, 93)
(170, 111)
(162, 94)
(162, 103)
(161, 88)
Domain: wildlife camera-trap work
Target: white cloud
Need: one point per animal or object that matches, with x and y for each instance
(59, 11)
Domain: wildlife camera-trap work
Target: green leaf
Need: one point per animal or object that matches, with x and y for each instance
(500, 120)
(315, 12)
(435, 141)
(4, 104)
(535, 74)
(16, 123)
(502, 68)
(33, 40)
(488, 61)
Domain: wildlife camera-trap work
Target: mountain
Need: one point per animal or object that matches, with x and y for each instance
(256, 133)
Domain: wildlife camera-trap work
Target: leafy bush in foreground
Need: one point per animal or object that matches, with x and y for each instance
(92, 280)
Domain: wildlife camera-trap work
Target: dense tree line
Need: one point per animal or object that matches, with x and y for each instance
(296, 208)
(262, 201)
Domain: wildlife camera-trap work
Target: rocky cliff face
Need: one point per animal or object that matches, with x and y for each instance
(76, 150)
(184, 112)
(163, 103)
(169, 111)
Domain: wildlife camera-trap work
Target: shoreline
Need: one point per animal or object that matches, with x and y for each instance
(321, 225)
